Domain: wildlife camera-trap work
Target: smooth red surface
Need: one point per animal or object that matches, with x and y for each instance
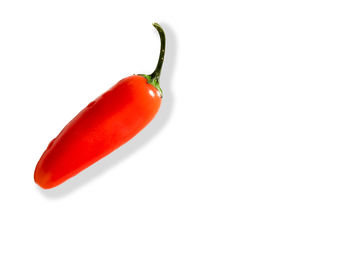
(104, 125)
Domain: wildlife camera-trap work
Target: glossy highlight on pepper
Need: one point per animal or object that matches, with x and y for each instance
(102, 126)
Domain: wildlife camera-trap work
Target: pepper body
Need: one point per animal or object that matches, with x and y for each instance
(104, 125)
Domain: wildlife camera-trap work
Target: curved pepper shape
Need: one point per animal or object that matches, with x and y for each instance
(104, 125)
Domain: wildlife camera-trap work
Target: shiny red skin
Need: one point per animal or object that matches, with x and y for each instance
(104, 125)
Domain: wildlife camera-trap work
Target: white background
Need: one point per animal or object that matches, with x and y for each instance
(248, 154)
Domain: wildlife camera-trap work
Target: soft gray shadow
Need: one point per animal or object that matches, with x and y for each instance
(139, 141)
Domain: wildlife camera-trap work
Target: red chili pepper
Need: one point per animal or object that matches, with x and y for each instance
(104, 125)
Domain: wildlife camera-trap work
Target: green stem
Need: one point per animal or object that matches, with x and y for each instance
(157, 71)
(153, 78)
